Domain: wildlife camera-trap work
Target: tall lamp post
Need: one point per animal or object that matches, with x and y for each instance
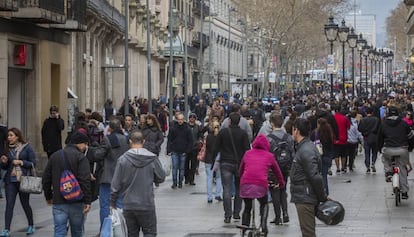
(148, 58)
(343, 32)
(360, 44)
(331, 32)
(126, 63)
(390, 69)
(352, 42)
(365, 52)
(231, 9)
(380, 69)
(371, 56)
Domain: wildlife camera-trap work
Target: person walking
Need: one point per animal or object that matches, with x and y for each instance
(191, 163)
(52, 131)
(3, 143)
(64, 211)
(208, 164)
(153, 135)
(254, 169)
(306, 186)
(135, 173)
(20, 158)
(180, 143)
(232, 143)
(368, 127)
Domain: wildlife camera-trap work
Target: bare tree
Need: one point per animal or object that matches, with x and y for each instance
(396, 33)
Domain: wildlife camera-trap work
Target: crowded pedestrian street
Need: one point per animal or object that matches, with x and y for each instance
(370, 210)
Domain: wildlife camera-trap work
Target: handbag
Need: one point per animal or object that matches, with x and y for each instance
(318, 143)
(202, 153)
(31, 184)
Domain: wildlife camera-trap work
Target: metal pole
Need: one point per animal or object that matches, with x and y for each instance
(201, 61)
(126, 66)
(353, 72)
(372, 85)
(185, 60)
(343, 68)
(171, 63)
(149, 59)
(210, 48)
(360, 73)
(332, 95)
(228, 56)
(366, 75)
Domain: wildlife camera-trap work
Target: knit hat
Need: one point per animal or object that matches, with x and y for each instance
(78, 138)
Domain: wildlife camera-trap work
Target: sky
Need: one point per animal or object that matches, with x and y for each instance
(382, 9)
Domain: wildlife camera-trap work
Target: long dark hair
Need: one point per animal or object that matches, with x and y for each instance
(325, 132)
(19, 136)
(154, 121)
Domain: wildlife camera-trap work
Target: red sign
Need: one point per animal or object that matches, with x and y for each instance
(20, 54)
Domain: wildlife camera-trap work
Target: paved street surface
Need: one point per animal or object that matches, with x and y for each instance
(369, 204)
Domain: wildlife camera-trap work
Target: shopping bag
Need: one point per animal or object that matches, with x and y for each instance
(167, 166)
(106, 229)
(119, 226)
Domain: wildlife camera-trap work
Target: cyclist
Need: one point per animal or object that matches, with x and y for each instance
(393, 140)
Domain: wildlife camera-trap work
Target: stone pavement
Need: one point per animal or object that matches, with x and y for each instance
(368, 200)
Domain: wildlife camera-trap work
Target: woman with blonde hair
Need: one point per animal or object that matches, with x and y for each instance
(18, 161)
(209, 161)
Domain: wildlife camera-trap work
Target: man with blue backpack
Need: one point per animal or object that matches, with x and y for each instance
(281, 145)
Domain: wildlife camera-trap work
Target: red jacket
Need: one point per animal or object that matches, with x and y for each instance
(256, 163)
(343, 125)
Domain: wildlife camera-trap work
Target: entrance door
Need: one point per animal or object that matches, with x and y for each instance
(16, 101)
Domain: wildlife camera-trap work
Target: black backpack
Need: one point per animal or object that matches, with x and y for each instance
(280, 149)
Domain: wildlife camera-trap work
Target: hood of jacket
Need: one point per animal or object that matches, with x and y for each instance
(140, 157)
(261, 143)
(392, 121)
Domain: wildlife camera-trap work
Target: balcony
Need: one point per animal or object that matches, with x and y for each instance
(8, 5)
(76, 17)
(409, 2)
(105, 11)
(199, 38)
(197, 8)
(41, 11)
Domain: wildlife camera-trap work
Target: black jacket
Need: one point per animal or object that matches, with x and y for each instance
(153, 139)
(51, 134)
(201, 112)
(225, 147)
(394, 132)
(306, 185)
(3, 139)
(210, 145)
(180, 139)
(78, 164)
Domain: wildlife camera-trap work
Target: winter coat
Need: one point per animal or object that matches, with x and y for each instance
(394, 132)
(369, 129)
(51, 134)
(243, 124)
(77, 163)
(153, 139)
(27, 155)
(256, 163)
(343, 125)
(180, 139)
(225, 147)
(354, 136)
(135, 173)
(210, 144)
(306, 184)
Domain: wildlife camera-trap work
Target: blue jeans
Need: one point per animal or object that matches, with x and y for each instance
(104, 199)
(178, 165)
(228, 171)
(370, 151)
(12, 189)
(209, 176)
(62, 213)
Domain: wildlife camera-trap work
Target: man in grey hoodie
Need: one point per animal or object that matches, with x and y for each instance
(135, 173)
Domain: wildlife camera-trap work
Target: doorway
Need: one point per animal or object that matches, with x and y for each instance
(16, 101)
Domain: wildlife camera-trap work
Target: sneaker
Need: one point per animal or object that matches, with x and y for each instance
(338, 172)
(5, 233)
(276, 221)
(209, 201)
(343, 170)
(330, 172)
(404, 195)
(368, 170)
(227, 219)
(236, 217)
(285, 218)
(192, 183)
(373, 169)
(30, 230)
(174, 186)
(180, 186)
(218, 198)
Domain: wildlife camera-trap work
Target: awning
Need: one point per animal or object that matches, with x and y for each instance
(71, 94)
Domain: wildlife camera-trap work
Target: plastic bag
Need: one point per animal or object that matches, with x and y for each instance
(167, 166)
(119, 226)
(106, 229)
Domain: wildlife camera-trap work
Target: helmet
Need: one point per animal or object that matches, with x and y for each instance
(330, 212)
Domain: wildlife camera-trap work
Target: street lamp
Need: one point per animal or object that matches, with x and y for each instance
(380, 69)
(343, 32)
(331, 32)
(360, 44)
(390, 58)
(231, 9)
(365, 52)
(148, 24)
(352, 42)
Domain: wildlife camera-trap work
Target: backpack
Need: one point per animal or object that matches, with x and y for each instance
(279, 147)
(69, 186)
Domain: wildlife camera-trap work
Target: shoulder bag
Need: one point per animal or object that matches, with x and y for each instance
(31, 184)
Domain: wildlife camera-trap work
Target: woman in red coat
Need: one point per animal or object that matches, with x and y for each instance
(254, 179)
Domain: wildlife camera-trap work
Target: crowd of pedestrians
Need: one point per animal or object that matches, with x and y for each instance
(298, 138)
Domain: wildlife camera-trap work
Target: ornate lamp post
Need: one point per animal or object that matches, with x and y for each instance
(352, 42)
(360, 44)
(365, 52)
(343, 32)
(331, 32)
(390, 58)
(371, 56)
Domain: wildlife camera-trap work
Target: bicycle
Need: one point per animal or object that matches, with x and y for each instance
(252, 230)
(395, 180)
